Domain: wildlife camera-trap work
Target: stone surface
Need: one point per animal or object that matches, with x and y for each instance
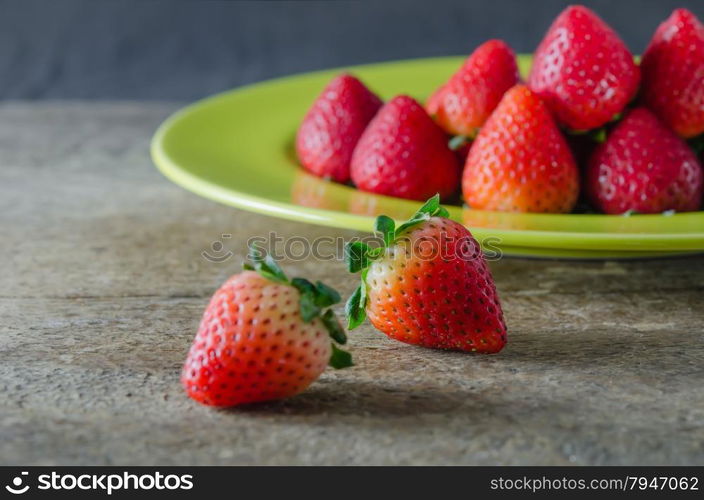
(103, 284)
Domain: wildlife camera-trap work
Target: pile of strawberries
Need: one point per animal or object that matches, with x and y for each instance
(589, 121)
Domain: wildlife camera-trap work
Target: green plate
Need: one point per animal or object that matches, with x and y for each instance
(237, 148)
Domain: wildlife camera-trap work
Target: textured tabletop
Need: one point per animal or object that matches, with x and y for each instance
(103, 284)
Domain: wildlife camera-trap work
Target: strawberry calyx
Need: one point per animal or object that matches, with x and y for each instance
(458, 141)
(315, 300)
(597, 135)
(697, 144)
(359, 255)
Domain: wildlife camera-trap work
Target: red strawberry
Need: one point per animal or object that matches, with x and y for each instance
(263, 337)
(333, 125)
(520, 161)
(673, 73)
(403, 153)
(583, 70)
(428, 285)
(464, 103)
(643, 166)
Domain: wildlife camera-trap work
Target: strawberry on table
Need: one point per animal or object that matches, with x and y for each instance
(403, 153)
(462, 105)
(645, 167)
(520, 162)
(330, 131)
(673, 73)
(583, 70)
(428, 285)
(263, 337)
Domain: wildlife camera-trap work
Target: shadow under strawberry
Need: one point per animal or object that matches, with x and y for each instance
(361, 397)
(526, 359)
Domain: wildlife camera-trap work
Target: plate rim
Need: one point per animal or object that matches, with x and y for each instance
(585, 241)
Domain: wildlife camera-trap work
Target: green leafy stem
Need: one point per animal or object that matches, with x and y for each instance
(359, 255)
(315, 300)
(697, 144)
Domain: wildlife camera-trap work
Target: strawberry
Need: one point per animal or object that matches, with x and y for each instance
(673, 73)
(403, 153)
(263, 337)
(464, 103)
(583, 70)
(645, 167)
(428, 285)
(333, 125)
(520, 162)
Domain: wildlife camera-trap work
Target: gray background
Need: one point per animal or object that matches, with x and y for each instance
(99, 49)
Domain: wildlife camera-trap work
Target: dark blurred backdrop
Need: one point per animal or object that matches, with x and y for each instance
(181, 50)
